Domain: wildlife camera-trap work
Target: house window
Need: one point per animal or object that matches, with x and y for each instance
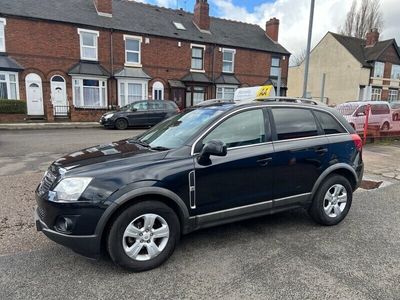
(224, 92)
(179, 26)
(195, 95)
(2, 35)
(376, 94)
(393, 95)
(378, 69)
(158, 91)
(9, 85)
(88, 42)
(395, 72)
(275, 66)
(198, 57)
(228, 60)
(131, 91)
(132, 50)
(90, 93)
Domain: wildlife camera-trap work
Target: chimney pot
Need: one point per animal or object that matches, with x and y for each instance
(272, 29)
(372, 37)
(201, 14)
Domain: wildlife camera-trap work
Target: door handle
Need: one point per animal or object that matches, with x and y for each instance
(321, 150)
(264, 161)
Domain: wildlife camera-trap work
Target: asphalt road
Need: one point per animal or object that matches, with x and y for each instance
(285, 256)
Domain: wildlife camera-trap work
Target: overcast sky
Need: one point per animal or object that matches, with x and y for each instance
(294, 15)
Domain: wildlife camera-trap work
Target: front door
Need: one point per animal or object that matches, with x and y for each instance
(34, 95)
(59, 96)
(139, 114)
(243, 176)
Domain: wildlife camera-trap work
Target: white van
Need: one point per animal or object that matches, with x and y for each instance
(354, 112)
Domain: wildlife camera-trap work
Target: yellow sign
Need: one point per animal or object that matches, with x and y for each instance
(264, 91)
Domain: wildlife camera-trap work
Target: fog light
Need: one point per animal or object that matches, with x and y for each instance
(64, 224)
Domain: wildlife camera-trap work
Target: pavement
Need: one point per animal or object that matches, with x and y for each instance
(48, 125)
(284, 256)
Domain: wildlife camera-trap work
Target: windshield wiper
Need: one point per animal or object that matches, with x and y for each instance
(141, 143)
(159, 148)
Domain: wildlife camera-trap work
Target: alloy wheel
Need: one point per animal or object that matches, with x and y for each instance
(145, 237)
(335, 201)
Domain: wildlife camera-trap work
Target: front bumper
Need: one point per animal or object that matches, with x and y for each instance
(106, 122)
(86, 245)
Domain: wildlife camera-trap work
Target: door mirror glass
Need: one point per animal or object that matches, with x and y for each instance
(213, 147)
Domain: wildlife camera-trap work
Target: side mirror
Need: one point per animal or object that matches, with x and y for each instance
(213, 147)
(360, 114)
(133, 109)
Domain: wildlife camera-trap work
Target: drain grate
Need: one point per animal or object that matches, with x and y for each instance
(370, 184)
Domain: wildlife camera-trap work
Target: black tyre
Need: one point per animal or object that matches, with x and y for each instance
(332, 201)
(385, 126)
(121, 124)
(143, 236)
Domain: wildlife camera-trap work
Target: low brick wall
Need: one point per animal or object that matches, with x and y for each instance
(12, 118)
(86, 115)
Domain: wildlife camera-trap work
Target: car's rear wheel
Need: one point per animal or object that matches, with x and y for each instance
(121, 124)
(332, 201)
(143, 236)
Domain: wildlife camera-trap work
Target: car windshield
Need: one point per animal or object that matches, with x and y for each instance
(347, 109)
(177, 130)
(126, 107)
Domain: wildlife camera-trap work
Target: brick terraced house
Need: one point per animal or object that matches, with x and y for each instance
(90, 55)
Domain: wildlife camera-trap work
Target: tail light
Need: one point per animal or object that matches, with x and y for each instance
(357, 141)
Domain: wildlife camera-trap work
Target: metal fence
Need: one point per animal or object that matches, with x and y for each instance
(61, 111)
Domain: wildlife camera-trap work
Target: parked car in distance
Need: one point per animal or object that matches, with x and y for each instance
(207, 166)
(139, 114)
(395, 106)
(354, 112)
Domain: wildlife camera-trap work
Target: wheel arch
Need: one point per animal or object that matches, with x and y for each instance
(340, 169)
(142, 194)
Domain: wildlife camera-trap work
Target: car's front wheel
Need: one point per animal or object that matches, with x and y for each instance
(332, 201)
(143, 236)
(121, 124)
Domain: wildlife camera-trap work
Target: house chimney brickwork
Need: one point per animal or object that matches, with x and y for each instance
(272, 29)
(372, 37)
(201, 14)
(103, 6)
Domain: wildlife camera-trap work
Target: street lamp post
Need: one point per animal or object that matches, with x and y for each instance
(307, 59)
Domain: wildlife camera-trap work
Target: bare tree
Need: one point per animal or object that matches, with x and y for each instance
(297, 59)
(362, 18)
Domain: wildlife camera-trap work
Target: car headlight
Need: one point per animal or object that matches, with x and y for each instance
(70, 189)
(108, 116)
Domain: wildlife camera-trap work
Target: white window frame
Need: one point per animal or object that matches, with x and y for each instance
(144, 84)
(3, 44)
(140, 40)
(96, 46)
(223, 87)
(275, 67)
(158, 86)
(375, 95)
(392, 93)
(233, 51)
(191, 56)
(8, 83)
(392, 73)
(381, 64)
(81, 78)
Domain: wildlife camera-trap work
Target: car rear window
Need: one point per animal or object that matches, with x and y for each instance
(328, 123)
(291, 123)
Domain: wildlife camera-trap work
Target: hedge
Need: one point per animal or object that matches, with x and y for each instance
(12, 107)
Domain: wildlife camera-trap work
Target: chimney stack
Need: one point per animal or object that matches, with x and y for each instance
(272, 29)
(372, 37)
(201, 15)
(103, 7)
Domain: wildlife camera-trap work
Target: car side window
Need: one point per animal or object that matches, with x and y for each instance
(245, 128)
(360, 110)
(380, 109)
(291, 123)
(328, 123)
(141, 106)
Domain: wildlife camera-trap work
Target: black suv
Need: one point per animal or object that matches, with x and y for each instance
(206, 166)
(139, 114)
